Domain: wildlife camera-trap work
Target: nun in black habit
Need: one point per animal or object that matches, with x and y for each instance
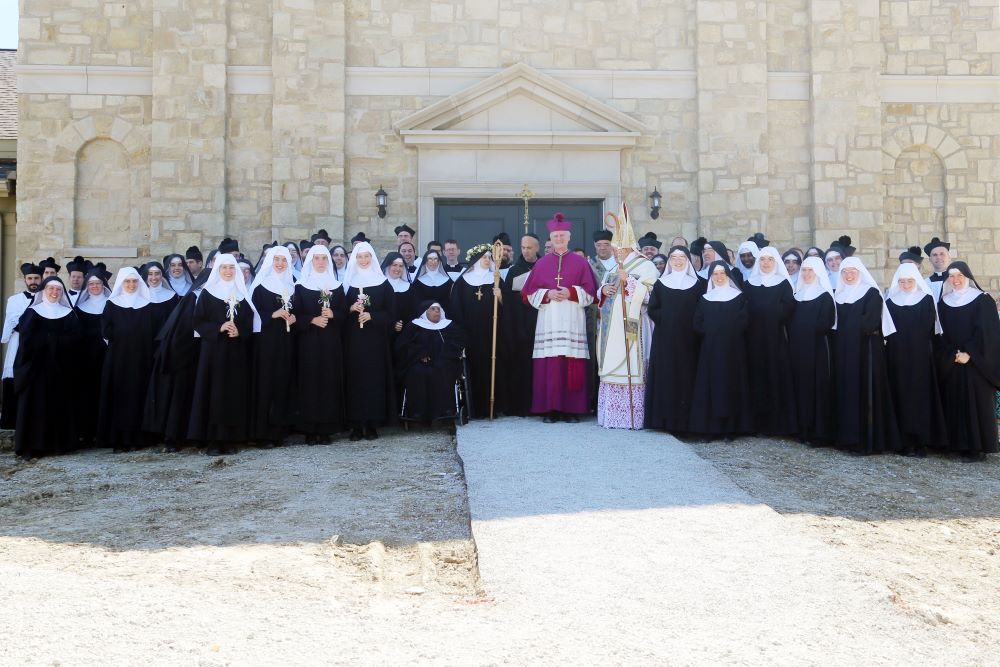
(162, 297)
(89, 309)
(272, 392)
(517, 345)
(911, 361)
(321, 312)
(369, 384)
(223, 318)
(809, 330)
(720, 405)
(431, 282)
(404, 299)
(47, 357)
(167, 412)
(716, 251)
(127, 324)
(968, 363)
(429, 362)
(673, 355)
(472, 307)
(178, 274)
(770, 304)
(863, 408)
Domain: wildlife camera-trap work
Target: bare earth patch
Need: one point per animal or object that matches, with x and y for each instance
(928, 528)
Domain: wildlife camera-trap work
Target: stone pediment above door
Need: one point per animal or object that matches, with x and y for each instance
(520, 108)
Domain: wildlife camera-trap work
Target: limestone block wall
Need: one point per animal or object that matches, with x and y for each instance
(789, 160)
(60, 127)
(961, 142)
(248, 169)
(797, 117)
(86, 32)
(585, 34)
(941, 36)
(375, 156)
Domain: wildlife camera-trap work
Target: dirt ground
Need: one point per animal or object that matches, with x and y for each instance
(352, 553)
(928, 528)
(393, 512)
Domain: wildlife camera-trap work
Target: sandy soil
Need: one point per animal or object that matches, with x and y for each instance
(928, 528)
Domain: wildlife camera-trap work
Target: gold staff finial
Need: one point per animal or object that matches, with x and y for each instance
(526, 194)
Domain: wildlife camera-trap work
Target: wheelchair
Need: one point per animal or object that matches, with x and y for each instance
(463, 399)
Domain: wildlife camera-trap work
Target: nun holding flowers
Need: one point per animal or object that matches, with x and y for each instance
(223, 318)
(367, 355)
(272, 395)
(320, 312)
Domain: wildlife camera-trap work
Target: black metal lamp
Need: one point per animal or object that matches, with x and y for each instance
(655, 200)
(381, 199)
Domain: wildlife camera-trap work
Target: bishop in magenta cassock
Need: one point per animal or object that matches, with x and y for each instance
(561, 285)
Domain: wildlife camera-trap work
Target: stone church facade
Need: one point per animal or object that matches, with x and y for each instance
(147, 126)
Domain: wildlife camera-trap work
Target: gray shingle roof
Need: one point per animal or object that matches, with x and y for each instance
(8, 94)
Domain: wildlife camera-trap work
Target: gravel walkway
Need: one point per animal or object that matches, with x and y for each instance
(632, 548)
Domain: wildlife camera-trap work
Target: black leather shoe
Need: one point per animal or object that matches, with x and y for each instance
(571, 419)
(356, 435)
(371, 434)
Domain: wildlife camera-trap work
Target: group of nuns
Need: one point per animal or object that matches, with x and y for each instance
(847, 367)
(217, 362)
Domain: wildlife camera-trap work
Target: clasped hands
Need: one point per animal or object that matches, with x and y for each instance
(561, 294)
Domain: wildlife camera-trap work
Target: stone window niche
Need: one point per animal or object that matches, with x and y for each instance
(102, 201)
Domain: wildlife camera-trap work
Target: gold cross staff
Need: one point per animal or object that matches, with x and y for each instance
(526, 194)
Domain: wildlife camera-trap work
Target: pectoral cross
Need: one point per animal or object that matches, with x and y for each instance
(479, 293)
(559, 277)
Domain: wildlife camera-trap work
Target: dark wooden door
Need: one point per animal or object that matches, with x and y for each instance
(475, 221)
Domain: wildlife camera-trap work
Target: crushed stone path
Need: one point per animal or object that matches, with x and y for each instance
(632, 545)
